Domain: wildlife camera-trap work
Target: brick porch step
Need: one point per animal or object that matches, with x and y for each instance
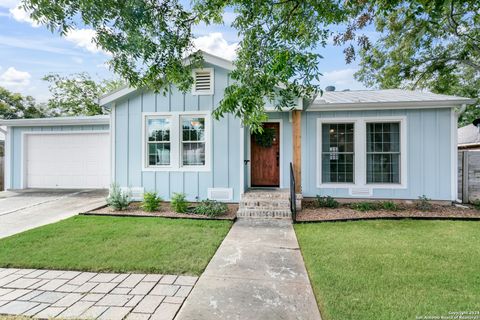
(265, 204)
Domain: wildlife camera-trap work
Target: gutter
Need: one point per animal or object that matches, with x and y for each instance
(462, 109)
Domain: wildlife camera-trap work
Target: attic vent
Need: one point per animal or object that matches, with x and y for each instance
(220, 194)
(203, 81)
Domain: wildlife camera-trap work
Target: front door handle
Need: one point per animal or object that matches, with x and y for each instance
(246, 162)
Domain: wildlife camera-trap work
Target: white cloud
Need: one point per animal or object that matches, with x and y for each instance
(14, 79)
(20, 15)
(83, 38)
(9, 3)
(341, 79)
(216, 44)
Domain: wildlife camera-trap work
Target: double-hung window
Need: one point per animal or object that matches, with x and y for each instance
(193, 141)
(338, 157)
(383, 152)
(158, 141)
(176, 141)
(362, 152)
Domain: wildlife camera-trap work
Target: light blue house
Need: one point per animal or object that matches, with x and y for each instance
(384, 144)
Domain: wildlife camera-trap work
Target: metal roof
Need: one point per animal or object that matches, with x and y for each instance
(80, 120)
(385, 98)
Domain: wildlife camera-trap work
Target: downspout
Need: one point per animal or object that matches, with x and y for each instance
(457, 115)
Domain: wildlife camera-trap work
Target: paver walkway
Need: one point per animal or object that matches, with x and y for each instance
(257, 273)
(88, 295)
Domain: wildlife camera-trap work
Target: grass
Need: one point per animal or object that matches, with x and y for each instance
(392, 269)
(118, 244)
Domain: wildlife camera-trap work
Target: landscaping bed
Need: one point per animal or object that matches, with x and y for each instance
(165, 210)
(117, 244)
(310, 212)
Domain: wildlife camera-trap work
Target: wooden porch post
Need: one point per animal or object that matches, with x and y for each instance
(297, 148)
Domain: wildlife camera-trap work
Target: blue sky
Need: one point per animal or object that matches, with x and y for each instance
(28, 52)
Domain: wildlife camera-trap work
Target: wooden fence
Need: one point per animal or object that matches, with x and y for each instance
(469, 175)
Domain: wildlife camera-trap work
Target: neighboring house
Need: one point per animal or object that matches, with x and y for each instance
(469, 136)
(391, 144)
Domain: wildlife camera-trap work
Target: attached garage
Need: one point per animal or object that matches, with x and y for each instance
(67, 160)
(65, 153)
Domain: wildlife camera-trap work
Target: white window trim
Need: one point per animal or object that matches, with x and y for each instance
(175, 141)
(212, 82)
(360, 150)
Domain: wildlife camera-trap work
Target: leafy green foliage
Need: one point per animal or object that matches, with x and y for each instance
(211, 208)
(389, 206)
(78, 94)
(364, 206)
(326, 202)
(179, 202)
(276, 62)
(476, 204)
(118, 199)
(423, 203)
(16, 106)
(265, 138)
(151, 201)
(430, 45)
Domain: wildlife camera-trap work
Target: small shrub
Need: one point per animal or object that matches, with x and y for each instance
(118, 199)
(211, 208)
(423, 204)
(364, 206)
(326, 202)
(390, 206)
(476, 204)
(179, 203)
(151, 201)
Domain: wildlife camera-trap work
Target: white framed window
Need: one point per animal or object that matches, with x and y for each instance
(375, 156)
(203, 81)
(158, 141)
(338, 154)
(176, 141)
(383, 152)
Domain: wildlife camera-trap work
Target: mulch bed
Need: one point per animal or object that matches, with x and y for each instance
(310, 213)
(165, 211)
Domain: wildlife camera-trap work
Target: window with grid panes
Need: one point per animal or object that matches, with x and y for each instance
(338, 157)
(383, 152)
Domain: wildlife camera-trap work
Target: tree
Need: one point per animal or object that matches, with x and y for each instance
(432, 45)
(77, 94)
(149, 39)
(15, 106)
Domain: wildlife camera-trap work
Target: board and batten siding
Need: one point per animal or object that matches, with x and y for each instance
(429, 154)
(16, 146)
(225, 147)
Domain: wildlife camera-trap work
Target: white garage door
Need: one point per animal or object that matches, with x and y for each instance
(76, 160)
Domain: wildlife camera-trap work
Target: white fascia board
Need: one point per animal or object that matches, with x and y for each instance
(110, 97)
(38, 122)
(386, 105)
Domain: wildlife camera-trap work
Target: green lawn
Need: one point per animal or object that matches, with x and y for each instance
(392, 269)
(167, 246)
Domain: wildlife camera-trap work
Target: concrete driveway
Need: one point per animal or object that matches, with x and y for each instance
(27, 209)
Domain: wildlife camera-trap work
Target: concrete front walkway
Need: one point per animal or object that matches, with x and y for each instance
(257, 273)
(26, 209)
(47, 294)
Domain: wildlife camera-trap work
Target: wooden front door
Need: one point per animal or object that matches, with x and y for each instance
(265, 161)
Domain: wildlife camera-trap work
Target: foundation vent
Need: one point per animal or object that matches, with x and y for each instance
(361, 192)
(220, 194)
